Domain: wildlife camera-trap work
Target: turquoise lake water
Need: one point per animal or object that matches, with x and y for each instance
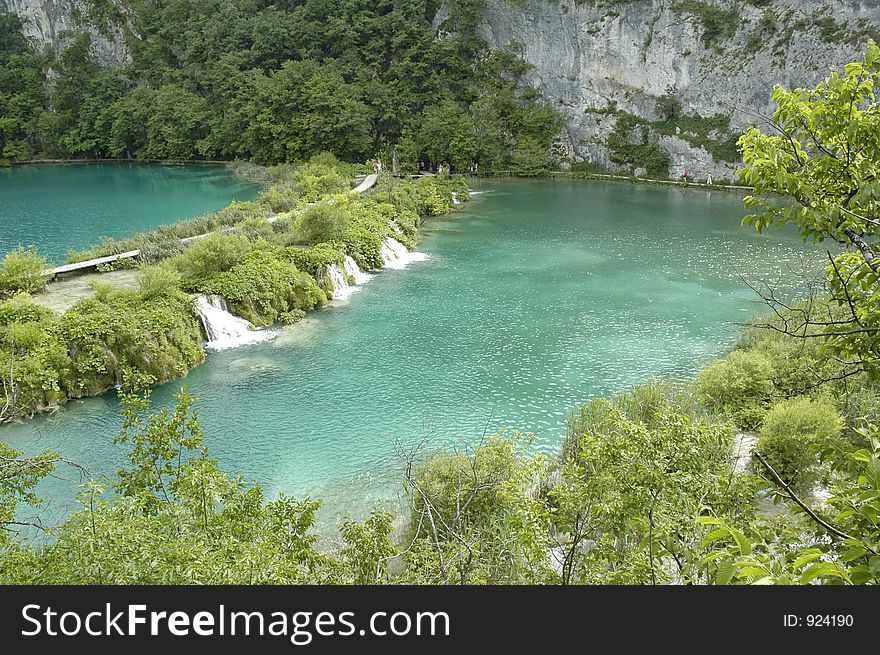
(535, 297)
(71, 206)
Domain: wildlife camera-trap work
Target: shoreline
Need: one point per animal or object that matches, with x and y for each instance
(574, 175)
(398, 256)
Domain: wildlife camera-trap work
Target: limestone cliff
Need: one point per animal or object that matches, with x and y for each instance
(50, 23)
(594, 59)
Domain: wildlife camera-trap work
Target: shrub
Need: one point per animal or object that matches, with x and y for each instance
(29, 345)
(321, 222)
(646, 404)
(433, 198)
(159, 280)
(318, 256)
(23, 269)
(365, 246)
(21, 308)
(213, 254)
(118, 336)
(738, 386)
(281, 198)
(256, 227)
(442, 474)
(263, 288)
(319, 178)
(792, 432)
(629, 144)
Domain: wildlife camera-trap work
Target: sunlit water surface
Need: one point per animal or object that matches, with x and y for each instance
(62, 207)
(537, 296)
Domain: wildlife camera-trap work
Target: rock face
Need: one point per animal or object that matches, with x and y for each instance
(594, 54)
(51, 22)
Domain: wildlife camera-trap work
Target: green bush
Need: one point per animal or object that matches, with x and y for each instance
(717, 23)
(440, 476)
(792, 432)
(213, 254)
(23, 269)
(31, 348)
(21, 308)
(121, 337)
(739, 386)
(282, 198)
(323, 221)
(320, 178)
(159, 280)
(629, 143)
(263, 288)
(433, 197)
(318, 256)
(646, 404)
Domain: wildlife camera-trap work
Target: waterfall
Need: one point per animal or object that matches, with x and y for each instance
(341, 287)
(223, 329)
(455, 200)
(354, 271)
(395, 254)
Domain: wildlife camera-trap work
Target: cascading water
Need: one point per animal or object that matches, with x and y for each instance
(341, 288)
(455, 200)
(395, 254)
(225, 330)
(354, 271)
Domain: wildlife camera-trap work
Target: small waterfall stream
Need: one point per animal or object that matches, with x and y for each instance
(353, 270)
(341, 288)
(224, 330)
(395, 254)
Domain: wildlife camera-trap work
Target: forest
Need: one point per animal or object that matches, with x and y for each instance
(275, 82)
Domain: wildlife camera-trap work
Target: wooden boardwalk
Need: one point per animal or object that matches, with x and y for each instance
(368, 183)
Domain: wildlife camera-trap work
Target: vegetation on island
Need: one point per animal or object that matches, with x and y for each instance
(266, 272)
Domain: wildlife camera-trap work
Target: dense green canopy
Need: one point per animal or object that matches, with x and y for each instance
(274, 82)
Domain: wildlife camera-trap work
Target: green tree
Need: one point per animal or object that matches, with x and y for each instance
(823, 160)
(22, 92)
(175, 125)
(130, 115)
(637, 471)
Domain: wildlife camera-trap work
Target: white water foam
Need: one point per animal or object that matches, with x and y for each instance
(341, 288)
(352, 268)
(225, 330)
(395, 254)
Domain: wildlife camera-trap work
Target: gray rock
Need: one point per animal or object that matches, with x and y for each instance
(52, 22)
(590, 55)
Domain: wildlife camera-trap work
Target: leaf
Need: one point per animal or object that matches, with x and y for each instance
(872, 472)
(716, 535)
(808, 556)
(853, 553)
(821, 569)
(745, 546)
(725, 572)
